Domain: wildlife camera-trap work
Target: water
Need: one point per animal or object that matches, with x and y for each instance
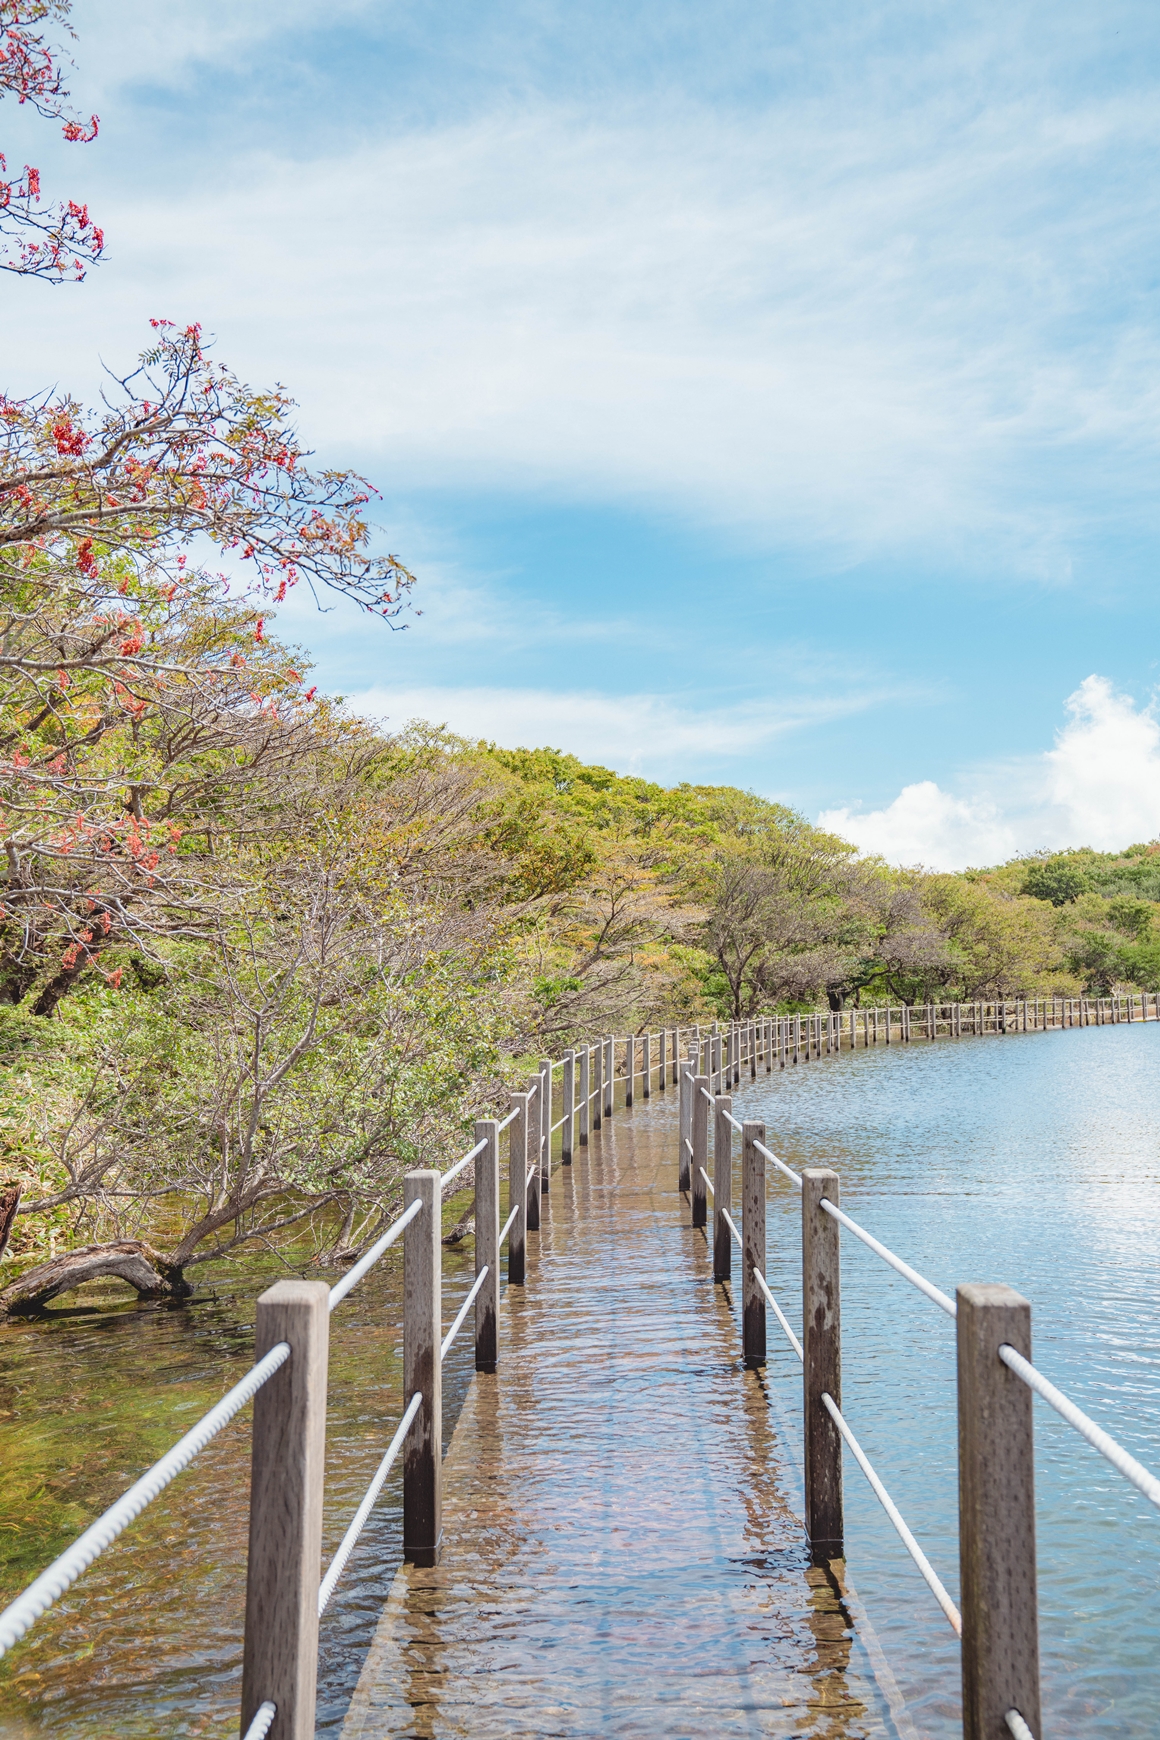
(148, 1642)
(1030, 1160)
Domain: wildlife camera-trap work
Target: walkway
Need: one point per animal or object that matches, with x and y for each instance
(623, 1550)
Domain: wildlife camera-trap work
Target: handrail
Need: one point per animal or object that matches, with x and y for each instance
(779, 1313)
(904, 1269)
(346, 1545)
(454, 1171)
(1124, 1463)
(445, 1348)
(930, 1575)
(351, 1280)
(780, 1164)
(262, 1723)
(27, 1608)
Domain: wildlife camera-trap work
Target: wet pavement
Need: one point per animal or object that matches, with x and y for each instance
(622, 1551)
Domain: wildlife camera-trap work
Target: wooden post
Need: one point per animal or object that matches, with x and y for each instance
(487, 1245)
(646, 1066)
(280, 1659)
(700, 1156)
(996, 1515)
(822, 1364)
(797, 1038)
(752, 1244)
(423, 1371)
(545, 1125)
(533, 1138)
(609, 1076)
(751, 1030)
(597, 1083)
(629, 1069)
(569, 1111)
(676, 1055)
(768, 1046)
(722, 1187)
(517, 1189)
(685, 1125)
(585, 1095)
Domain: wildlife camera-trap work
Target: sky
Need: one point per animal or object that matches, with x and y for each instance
(762, 394)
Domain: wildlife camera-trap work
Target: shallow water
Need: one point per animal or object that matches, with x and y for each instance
(1030, 1159)
(148, 1641)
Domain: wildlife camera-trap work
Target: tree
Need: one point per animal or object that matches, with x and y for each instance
(55, 242)
(133, 691)
(338, 1017)
(1054, 879)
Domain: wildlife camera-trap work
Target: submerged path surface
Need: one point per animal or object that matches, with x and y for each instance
(623, 1549)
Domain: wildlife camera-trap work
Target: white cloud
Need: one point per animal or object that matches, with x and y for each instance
(1099, 786)
(861, 336)
(926, 825)
(640, 733)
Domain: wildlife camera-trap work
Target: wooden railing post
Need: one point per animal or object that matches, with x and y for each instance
(996, 1515)
(722, 1187)
(752, 1244)
(629, 1069)
(517, 1189)
(646, 1067)
(423, 1371)
(585, 1094)
(822, 1363)
(487, 1245)
(534, 1127)
(685, 1121)
(545, 1126)
(700, 1158)
(597, 1083)
(280, 1658)
(567, 1134)
(609, 1076)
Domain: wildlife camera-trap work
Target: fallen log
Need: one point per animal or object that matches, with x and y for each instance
(128, 1260)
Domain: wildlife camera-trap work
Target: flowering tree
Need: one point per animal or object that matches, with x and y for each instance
(56, 242)
(134, 689)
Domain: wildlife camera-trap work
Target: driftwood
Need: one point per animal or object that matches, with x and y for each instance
(464, 1230)
(129, 1260)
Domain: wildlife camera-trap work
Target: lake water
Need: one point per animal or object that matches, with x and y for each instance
(1032, 1160)
(1029, 1159)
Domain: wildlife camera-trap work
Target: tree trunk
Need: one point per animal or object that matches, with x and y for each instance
(130, 1260)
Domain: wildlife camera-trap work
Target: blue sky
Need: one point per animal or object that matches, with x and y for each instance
(764, 393)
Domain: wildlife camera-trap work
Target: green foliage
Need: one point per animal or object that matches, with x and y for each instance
(1056, 880)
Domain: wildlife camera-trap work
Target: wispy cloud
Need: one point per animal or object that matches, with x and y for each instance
(879, 335)
(653, 734)
(1099, 785)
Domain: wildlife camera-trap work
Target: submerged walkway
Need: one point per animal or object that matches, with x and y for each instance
(623, 1546)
